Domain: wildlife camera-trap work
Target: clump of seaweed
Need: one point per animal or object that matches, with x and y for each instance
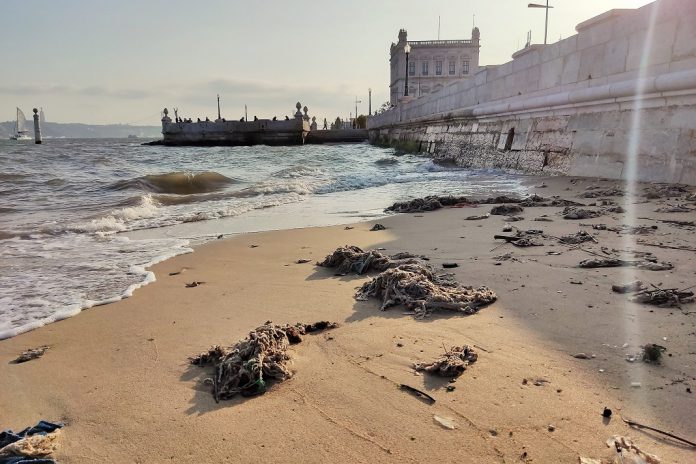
(351, 259)
(652, 353)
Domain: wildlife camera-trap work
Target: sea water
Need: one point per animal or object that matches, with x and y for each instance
(82, 220)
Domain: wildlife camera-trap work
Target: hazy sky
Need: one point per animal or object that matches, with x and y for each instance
(106, 61)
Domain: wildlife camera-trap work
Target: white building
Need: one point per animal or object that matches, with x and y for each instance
(432, 64)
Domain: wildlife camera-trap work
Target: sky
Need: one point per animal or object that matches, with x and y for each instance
(108, 62)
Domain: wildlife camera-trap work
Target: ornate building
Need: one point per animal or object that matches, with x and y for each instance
(432, 64)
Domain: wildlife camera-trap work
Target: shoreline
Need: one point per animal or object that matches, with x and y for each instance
(113, 372)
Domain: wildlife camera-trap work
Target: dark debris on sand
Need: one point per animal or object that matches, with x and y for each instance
(450, 364)
(249, 365)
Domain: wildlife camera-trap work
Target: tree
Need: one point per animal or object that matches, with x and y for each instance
(385, 107)
(361, 122)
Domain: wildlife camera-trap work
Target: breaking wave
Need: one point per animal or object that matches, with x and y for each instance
(179, 183)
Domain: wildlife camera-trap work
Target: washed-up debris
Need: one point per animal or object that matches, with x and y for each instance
(513, 218)
(630, 287)
(498, 200)
(631, 423)
(247, 366)
(664, 191)
(450, 265)
(674, 209)
(615, 262)
(194, 284)
(451, 364)
(634, 230)
(28, 355)
(33, 444)
(652, 353)
(664, 297)
(582, 356)
(573, 212)
(679, 223)
(522, 239)
(444, 422)
(477, 218)
(506, 210)
(629, 452)
(347, 259)
(606, 413)
(429, 203)
(418, 393)
(302, 261)
(419, 289)
(175, 273)
(600, 192)
(543, 219)
(505, 257)
(537, 201)
(615, 209)
(348, 228)
(577, 238)
(377, 227)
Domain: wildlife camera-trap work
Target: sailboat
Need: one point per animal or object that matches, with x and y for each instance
(20, 127)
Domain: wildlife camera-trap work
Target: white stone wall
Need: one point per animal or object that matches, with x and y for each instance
(588, 85)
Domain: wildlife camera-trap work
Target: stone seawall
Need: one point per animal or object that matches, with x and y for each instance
(623, 88)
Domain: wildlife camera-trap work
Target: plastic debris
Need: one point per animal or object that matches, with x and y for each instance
(629, 452)
(444, 422)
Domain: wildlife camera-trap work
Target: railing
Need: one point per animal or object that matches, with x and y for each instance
(440, 42)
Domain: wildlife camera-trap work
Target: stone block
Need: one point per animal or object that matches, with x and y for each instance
(596, 34)
(550, 73)
(592, 63)
(571, 66)
(685, 38)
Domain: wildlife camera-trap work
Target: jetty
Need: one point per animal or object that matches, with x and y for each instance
(297, 130)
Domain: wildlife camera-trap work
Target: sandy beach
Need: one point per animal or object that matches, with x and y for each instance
(118, 375)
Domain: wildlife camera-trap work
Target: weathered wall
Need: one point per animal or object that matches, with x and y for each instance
(572, 104)
(262, 131)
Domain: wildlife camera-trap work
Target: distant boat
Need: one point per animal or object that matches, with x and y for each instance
(132, 136)
(20, 127)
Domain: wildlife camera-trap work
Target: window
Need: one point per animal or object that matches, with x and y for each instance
(438, 68)
(465, 67)
(412, 68)
(424, 70)
(451, 68)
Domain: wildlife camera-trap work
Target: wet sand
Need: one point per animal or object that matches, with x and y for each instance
(118, 375)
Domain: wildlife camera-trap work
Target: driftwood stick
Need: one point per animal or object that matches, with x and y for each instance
(417, 392)
(642, 426)
(507, 238)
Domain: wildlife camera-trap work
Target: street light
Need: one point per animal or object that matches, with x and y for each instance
(407, 49)
(369, 101)
(546, 23)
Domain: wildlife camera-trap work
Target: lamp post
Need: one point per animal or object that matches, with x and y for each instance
(407, 49)
(546, 23)
(356, 109)
(369, 102)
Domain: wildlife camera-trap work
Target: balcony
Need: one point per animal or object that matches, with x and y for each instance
(439, 43)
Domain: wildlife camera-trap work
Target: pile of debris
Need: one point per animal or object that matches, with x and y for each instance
(506, 210)
(351, 259)
(572, 212)
(429, 203)
(656, 191)
(616, 262)
(247, 366)
(523, 238)
(577, 238)
(663, 297)
(596, 192)
(451, 364)
(419, 289)
(537, 201)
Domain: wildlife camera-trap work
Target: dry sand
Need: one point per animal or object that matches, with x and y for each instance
(118, 375)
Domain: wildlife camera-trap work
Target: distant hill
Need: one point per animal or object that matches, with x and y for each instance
(84, 131)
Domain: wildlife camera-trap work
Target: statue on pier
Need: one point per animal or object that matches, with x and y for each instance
(313, 126)
(298, 113)
(306, 116)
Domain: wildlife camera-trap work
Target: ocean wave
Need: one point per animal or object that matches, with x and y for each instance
(386, 161)
(179, 183)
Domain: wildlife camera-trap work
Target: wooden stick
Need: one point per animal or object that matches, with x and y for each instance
(642, 426)
(417, 392)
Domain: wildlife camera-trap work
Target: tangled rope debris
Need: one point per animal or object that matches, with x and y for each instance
(572, 212)
(597, 192)
(351, 259)
(506, 210)
(417, 288)
(30, 354)
(429, 203)
(665, 191)
(616, 262)
(664, 297)
(577, 238)
(451, 364)
(247, 366)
